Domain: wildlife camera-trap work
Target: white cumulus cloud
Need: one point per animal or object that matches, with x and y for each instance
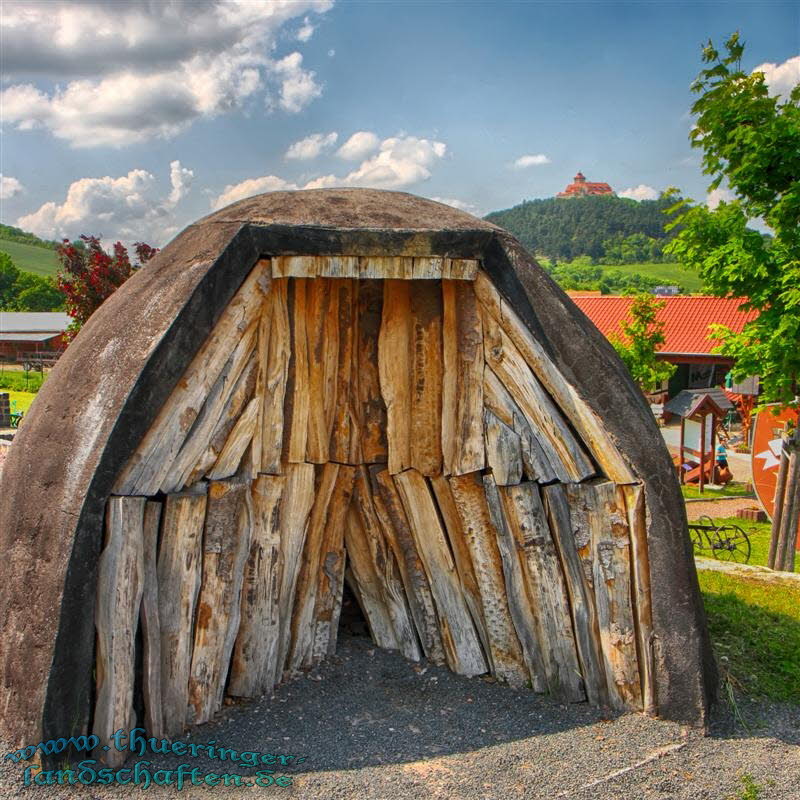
(306, 31)
(250, 187)
(129, 208)
(311, 146)
(459, 204)
(781, 78)
(640, 192)
(9, 187)
(719, 195)
(523, 162)
(358, 146)
(104, 73)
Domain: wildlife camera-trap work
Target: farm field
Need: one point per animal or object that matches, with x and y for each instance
(668, 274)
(30, 258)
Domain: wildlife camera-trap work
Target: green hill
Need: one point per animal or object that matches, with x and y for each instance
(31, 258)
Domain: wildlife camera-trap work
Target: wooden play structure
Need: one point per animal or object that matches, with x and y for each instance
(367, 406)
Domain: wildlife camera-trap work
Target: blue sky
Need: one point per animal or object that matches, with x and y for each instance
(132, 120)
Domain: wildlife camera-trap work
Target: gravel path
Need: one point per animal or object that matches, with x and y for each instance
(726, 507)
(373, 726)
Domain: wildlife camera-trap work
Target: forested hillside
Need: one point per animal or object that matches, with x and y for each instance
(609, 229)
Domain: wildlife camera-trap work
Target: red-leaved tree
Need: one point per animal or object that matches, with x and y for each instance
(88, 275)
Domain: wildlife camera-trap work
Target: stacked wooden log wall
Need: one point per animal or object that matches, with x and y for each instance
(392, 424)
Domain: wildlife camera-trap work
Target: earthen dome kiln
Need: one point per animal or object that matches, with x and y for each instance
(312, 388)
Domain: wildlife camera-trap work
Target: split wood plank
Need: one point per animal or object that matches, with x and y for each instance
(240, 437)
(426, 377)
(295, 266)
(298, 387)
(394, 366)
(296, 505)
(148, 467)
(276, 368)
(564, 452)
(519, 602)
(463, 560)
(330, 579)
(461, 643)
(503, 451)
(322, 331)
(213, 410)
(547, 591)
(568, 536)
(585, 421)
(462, 389)
(151, 627)
(386, 267)
(344, 445)
(328, 497)
(120, 582)
(394, 523)
(377, 574)
(179, 575)
(482, 541)
(465, 269)
(240, 397)
(371, 411)
(226, 544)
(338, 266)
(497, 400)
(634, 498)
(255, 652)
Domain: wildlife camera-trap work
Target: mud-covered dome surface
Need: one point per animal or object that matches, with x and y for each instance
(104, 393)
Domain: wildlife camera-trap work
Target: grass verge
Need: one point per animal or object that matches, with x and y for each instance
(733, 489)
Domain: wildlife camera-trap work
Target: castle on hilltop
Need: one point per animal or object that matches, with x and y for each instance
(580, 187)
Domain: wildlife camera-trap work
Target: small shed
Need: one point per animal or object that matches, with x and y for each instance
(701, 411)
(314, 389)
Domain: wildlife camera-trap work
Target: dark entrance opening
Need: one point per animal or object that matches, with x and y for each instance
(352, 621)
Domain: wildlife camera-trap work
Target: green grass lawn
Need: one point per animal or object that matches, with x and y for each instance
(755, 630)
(757, 532)
(733, 489)
(29, 258)
(21, 401)
(667, 274)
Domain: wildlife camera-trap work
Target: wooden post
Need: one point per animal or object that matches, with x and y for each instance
(702, 451)
(791, 510)
(297, 389)
(151, 627)
(682, 457)
(226, 544)
(372, 410)
(120, 580)
(344, 446)
(777, 512)
(179, 573)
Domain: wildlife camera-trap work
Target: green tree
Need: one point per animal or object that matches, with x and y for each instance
(637, 343)
(8, 277)
(751, 141)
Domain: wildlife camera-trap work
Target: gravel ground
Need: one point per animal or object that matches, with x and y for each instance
(726, 507)
(374, 726)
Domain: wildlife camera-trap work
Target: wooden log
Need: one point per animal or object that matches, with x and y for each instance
(226, 544)
(584, 420)
(637, 524)
(463, 560)
(240, 437)
(255, 653)
(393, 521)
(338, 266)
(564, 452)
(507, 658)
(151, 627)
(344, 444)
(497, 400)
(296, 505)
(322, 331)
(503, 451)
(179, 574)
(295, 266)
(394, 366)
(120, 581)
(584, 617)
(462, 389)
(240, 397)
(459, 637)
(371, 408)
(212, 412)
(375, 568)
(547, 591)
(519, 602)
(298, 388)
(330, 578)
(146, 470)
(276, 369)
(302, 626)
(426, 377)
(366, 584)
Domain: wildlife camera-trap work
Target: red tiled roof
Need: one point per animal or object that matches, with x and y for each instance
(686, 319)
